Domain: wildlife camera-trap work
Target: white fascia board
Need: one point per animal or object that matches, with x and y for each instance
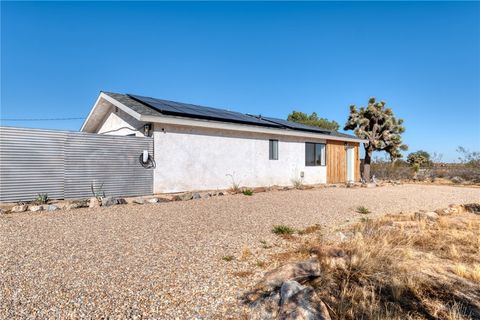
(116, 103)
(91, 111)
(121, 106)
(243, 128)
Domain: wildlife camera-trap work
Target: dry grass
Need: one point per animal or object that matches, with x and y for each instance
(398, 268)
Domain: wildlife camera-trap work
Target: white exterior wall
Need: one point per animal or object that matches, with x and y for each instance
(201, 159)
(120, 123)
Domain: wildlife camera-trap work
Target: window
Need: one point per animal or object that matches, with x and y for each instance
(273, 149)
(314, 154)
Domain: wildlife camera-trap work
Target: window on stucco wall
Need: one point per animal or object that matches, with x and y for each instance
(273, 149)
(314, 154)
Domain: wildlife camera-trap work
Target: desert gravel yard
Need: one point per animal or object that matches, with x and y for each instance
(169, 260)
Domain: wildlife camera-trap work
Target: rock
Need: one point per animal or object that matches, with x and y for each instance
(165, 198)
(292, 271)
(472, 207)
(265, 306)
(51, 207)
(20, 208)
(220, 193)
(429, 215)
(94, 203)
(186, 196)
(288, 289)
(35, 208)
(259, 189)
(196, 195)
(77, 204)
(138, 201)
(3, 211)
(121, 201)
(152, 200)
(108, 201)
(298, 302)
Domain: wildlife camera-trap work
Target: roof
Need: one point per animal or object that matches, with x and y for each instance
(148, 106)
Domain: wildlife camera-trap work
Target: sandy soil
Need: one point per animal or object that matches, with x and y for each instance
(166, 260)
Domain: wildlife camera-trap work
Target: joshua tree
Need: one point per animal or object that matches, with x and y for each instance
(379, 126)
(420, 158)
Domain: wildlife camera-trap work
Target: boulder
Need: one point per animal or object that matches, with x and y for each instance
(51, 207)
(152, 200)
(93, 203)
(196, 195)
(186, 196)
(298, 302)
(20, 208)
(35, 208)
(472, 207)
(165, 198)
(121, 201)
(426, 215)
(138, 201)
(265, 306)
(292, 271)
(77, 204)
(108, 201)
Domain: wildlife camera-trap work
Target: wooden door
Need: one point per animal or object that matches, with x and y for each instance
(336, 162)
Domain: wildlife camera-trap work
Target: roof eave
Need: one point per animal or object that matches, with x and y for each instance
(174, 120)
(96, 112)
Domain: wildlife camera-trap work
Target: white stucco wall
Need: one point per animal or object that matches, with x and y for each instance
(200, 159)
(120, 123)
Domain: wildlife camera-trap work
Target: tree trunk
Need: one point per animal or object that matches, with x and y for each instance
(366, 165)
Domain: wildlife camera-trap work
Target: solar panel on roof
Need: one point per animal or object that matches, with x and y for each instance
(296, 126)
(195, 111)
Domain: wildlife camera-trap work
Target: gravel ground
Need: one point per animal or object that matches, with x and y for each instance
(165, 260)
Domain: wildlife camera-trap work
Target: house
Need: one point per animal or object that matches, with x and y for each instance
(203, 148)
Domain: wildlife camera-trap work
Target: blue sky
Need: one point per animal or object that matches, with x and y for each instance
(422, 58)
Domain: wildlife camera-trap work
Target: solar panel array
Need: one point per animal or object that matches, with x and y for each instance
(295, 125)
(190, 110)
(200, 112)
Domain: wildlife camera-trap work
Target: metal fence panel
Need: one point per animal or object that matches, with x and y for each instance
(66, 164)
(110, 162)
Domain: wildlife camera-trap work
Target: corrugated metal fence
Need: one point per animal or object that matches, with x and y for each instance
(66, 164)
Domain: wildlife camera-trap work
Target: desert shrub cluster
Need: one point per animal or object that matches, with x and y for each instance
(398, 267)
(420, 166)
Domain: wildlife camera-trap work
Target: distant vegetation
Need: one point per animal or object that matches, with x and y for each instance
(422, 166)
(313, 120)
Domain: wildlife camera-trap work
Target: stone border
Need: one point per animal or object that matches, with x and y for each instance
(94, 202)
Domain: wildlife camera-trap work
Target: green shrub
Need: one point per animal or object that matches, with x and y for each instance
(363, 210)
(282, 229)
(42, 198)
(247, 192)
